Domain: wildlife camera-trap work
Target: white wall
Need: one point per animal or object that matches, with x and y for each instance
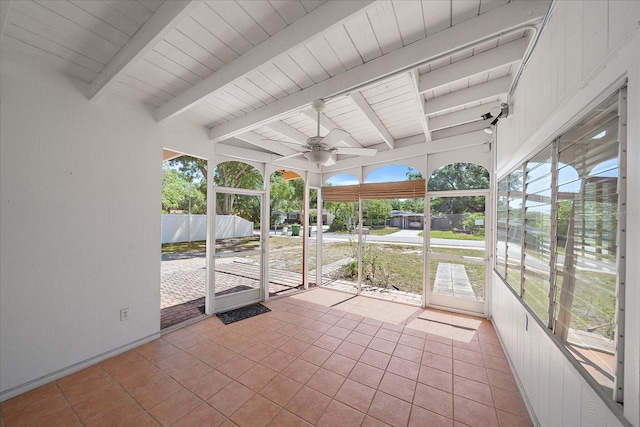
(585, 52)
(80, 196)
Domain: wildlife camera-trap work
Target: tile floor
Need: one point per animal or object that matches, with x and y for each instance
(318, 358)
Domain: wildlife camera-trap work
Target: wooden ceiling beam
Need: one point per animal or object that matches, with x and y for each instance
(481, 63)
(510, 16)
(161, 23)
(311, 25)
(373, 118)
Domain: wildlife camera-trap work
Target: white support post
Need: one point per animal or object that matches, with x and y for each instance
(305, 234)
(319, 239)
(210, 283)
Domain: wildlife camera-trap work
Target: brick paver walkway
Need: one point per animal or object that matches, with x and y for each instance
(183, 279)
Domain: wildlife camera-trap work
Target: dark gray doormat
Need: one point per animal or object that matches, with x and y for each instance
(242, 313)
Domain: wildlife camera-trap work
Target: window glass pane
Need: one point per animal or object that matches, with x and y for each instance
(501, 227)
(587, 247)
(538, 234)
(514, 230)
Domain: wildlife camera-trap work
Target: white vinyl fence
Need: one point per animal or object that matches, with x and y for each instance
(177, 227)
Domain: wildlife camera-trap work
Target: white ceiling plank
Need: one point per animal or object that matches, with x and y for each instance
(480, 63)
(279, 78)
(67, 26)
(220, 28)
(151, 5)
(240, 20)
(291, 37)
(56, 35)
(461, 117)
(171, 67)
(363, 37)
(310, 5)
(507, 17)
(436, 16)
(424, 121)
(194, 50)
(288, 131)
(255, 90)
(193, 30)
(460, 129)
(410, 21)
(265, 14)
(86, 20)
(464, 10)
(132, 9)
(163, 21)
(329, 125)
(4, 14)
(59, 63)
(309, 64)
(385, 28)
(364, 106)
(44, 43)
(290, 10)
(176, 55)
(109, 15)
(341, 43)
(266, 84)
(259, 141)
(322, 52)
(462, 97)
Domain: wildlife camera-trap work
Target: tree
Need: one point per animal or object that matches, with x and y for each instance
(234, 175)
(456, 176)
(179, 192)
(376, 211)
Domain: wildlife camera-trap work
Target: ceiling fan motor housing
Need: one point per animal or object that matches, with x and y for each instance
(314, 141)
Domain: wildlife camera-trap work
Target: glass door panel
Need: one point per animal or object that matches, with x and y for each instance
(457, 252)
(238, 244)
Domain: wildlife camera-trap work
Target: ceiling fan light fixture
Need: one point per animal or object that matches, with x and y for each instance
(318, 157)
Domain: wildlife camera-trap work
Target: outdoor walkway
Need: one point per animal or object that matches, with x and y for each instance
(183, 281)
(452, 280)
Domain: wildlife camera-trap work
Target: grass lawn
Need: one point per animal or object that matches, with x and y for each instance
(383, 231)
(174, 248)
(437, 234)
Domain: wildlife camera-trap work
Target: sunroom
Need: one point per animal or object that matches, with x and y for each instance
(509, 124)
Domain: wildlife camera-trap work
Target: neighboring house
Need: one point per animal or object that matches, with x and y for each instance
(406, 220)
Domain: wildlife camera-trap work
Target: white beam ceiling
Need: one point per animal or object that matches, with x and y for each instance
(298, 33)
(159, 25)
(371, 115)
(415, 148)
(424, 120)
(4, 14)
(459, 98)
(463, 35)
(469, 67)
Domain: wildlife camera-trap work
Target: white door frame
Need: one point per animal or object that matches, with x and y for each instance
(450, 303)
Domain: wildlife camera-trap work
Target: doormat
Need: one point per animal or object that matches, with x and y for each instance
(242, 313)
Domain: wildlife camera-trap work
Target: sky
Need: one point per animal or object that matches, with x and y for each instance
(391, 173)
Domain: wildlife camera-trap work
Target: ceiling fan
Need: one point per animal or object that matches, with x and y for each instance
(318, 149)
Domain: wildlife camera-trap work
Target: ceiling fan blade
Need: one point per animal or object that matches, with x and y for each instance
(290, 156)
(335, 136)
(356, 151)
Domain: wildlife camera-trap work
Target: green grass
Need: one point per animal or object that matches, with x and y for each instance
(437, 234)
(383, 231)
(175, 248)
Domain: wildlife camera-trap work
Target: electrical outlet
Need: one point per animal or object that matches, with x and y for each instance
(124, 314)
